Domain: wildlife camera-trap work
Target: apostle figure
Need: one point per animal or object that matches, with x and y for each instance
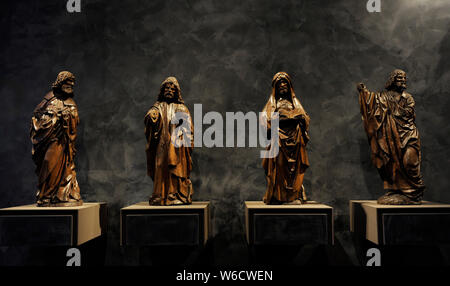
(53, 132)
(285, 171)
(389, 121)
(169, 133)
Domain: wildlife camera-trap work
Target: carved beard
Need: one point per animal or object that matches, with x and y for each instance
(62, 94)
(398, 87)
(170, 99)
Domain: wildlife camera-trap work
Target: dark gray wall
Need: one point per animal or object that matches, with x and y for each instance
(224, 54)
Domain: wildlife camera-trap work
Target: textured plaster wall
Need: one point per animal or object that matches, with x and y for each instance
(224, 54)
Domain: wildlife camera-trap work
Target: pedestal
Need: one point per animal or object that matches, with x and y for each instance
(310, 223)
(52, 226)
(426, 224)
(145, 225)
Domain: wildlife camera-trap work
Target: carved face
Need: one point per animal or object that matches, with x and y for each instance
(67, 86)
(400, 81)
(170, 91)
(282, 87)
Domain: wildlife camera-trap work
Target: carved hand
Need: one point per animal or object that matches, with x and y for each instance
(154, 115)
(361, 86)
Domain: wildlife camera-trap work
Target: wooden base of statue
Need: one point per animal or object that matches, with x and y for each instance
(161, 235)
(68, 226)
(293, 235)
(309, 223)
(143, 224)
(405, 235)
(41, 236)
(400, 224)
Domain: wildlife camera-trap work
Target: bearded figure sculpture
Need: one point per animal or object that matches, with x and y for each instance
(169, 133)
(285, 171)
(53, 132)
(389, 121)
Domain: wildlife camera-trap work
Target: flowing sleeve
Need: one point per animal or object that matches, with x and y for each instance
(43, 128)
(304, 120)
(185, 128)
(152, 125)
(374, 110)
(180, 152)
(74, 120)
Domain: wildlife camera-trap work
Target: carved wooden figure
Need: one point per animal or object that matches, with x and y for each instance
(169, 146)
(53, 132)
(389, 121)
(285, 172)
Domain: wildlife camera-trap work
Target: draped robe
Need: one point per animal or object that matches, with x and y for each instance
(53, 134)
(389, 121)
(285, 172)
(169, 166)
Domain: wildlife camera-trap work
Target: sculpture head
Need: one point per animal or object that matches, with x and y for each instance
(64, 83)
(170, 91)
(282, 88)
(396, 81)
(281, 83)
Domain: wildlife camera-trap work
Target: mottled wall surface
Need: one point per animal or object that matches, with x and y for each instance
(224, 54)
